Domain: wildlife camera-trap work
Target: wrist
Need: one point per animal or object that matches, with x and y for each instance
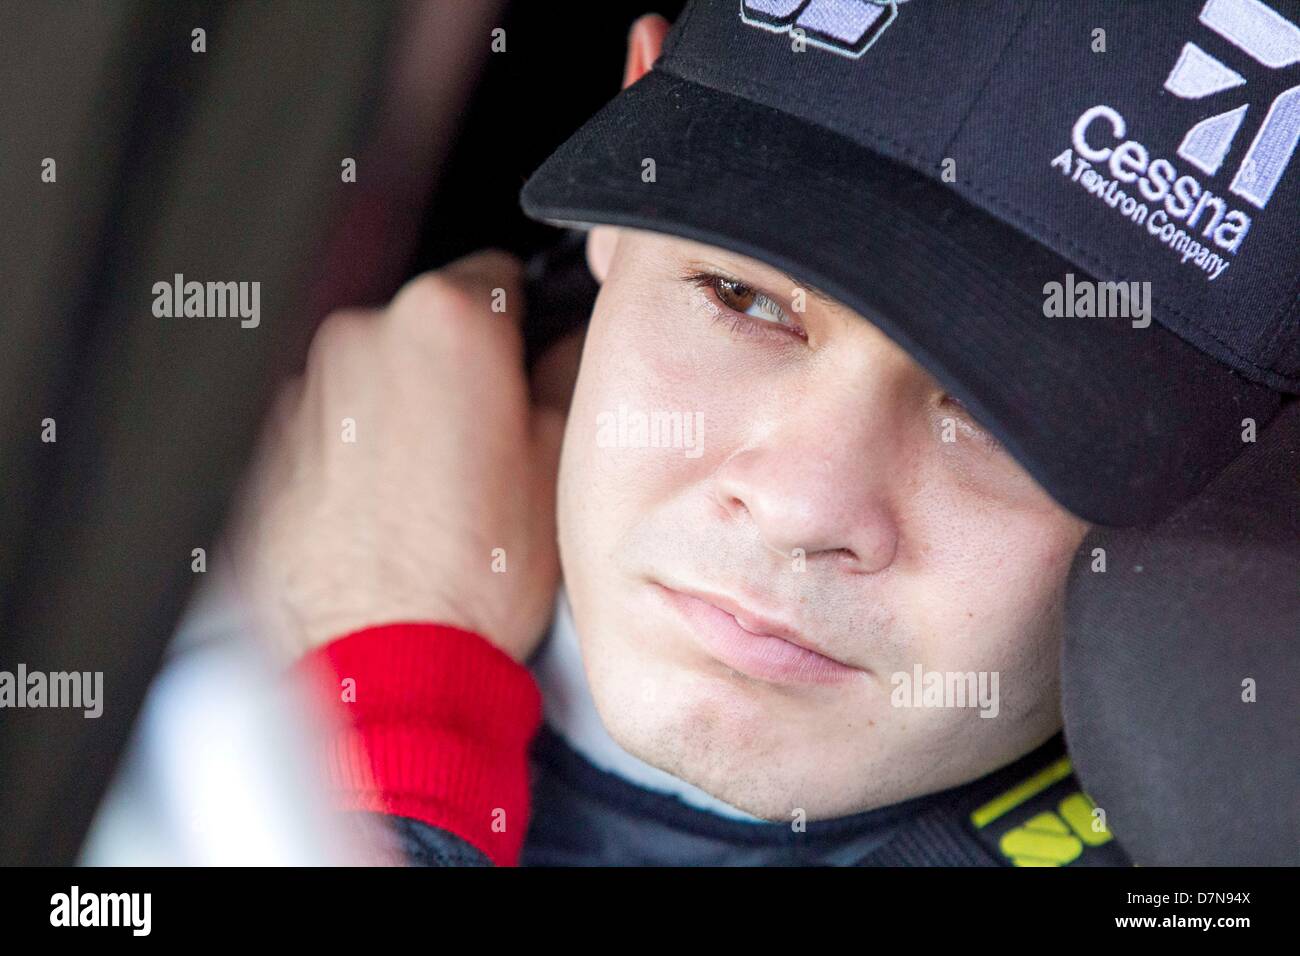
(433, 724)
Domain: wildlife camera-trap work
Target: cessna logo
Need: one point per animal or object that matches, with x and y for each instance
(1173, 205)
(847, 27)
(1270, 39)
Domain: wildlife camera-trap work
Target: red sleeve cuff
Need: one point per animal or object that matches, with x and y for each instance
(436, 723)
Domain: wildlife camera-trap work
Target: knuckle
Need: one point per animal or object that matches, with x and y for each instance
(337, 331)
(431, 293)
(469, 282)
(492, 267)
(453, 306)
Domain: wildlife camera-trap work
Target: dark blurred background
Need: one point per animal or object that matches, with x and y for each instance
(569, 62)
(216, 155)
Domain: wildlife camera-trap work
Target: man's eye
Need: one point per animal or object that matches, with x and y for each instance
(747, 301)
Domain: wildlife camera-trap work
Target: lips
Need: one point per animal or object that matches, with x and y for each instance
(755, 644)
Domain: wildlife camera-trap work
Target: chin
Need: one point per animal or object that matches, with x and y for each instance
(721, 733)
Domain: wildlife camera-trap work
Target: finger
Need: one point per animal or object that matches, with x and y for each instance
(487, 282)
(487, 270)
(467, 313)
(492, 280)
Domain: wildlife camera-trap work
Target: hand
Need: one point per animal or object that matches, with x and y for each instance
(406, 476)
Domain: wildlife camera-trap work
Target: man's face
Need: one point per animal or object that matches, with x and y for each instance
(823, 518)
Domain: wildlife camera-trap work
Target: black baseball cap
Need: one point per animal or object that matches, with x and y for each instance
(950, 168)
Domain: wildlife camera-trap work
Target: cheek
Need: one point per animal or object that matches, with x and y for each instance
(610, 478)
(654, 409)
(991, 580)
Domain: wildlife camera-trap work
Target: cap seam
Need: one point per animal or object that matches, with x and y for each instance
(993, 67)
(678, 32)
(1282, 321)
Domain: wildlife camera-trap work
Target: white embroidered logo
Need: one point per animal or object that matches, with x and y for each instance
(1273, 41)
(847, 27)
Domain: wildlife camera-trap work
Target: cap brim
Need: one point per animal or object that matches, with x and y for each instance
(1120, 424)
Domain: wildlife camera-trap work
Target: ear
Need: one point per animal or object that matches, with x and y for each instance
(643, 45)
(601, 241)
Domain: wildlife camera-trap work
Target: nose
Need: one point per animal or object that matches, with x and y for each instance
(825, 489)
